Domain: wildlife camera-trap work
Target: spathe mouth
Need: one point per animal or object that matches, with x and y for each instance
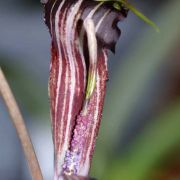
(78, 74)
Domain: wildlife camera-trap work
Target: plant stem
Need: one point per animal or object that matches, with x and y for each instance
(20, 127)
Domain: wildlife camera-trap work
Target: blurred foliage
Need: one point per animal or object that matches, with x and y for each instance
(25, 85)
(152, 146)
(127, 87)
(152, 153)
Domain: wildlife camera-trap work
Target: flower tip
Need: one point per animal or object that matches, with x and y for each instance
(66, 177)
(113, 48)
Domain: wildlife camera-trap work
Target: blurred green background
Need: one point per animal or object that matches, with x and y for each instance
(139, 138)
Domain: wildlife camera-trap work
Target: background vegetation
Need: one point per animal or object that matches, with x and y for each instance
(140, 134)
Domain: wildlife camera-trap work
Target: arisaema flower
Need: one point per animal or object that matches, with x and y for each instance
(82, 31)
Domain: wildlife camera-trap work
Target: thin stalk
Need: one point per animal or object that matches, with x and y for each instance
(20, 127)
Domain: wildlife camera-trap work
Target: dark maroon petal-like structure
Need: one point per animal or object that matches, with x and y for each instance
(75, 132)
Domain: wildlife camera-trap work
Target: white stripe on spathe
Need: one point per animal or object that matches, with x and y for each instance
(60, 64)
(101, 20)
(70, 34)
